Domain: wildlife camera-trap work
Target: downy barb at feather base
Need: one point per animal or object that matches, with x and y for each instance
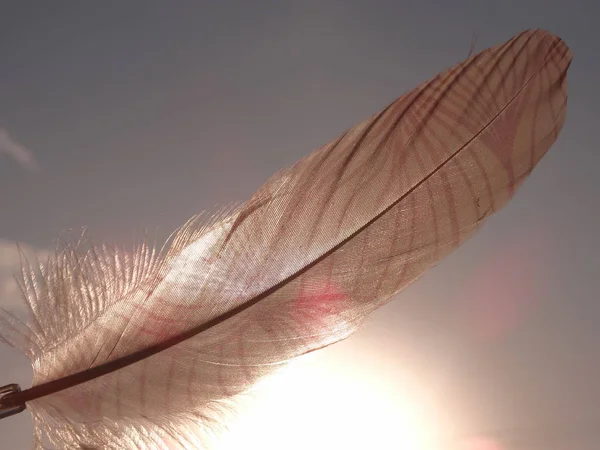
(144, 350)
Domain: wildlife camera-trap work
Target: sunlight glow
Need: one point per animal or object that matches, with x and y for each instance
(319, 406)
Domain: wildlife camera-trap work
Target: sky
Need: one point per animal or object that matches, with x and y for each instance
(129, 116)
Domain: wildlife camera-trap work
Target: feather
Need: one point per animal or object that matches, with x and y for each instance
(144, 350)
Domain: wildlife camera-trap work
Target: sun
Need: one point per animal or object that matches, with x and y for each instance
(317, 405)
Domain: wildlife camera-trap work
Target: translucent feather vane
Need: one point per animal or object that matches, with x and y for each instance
(144, 350)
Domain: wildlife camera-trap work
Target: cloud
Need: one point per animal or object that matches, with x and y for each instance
(12, 148)
(10, 265)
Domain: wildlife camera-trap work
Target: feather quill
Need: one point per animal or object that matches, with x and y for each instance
(142, 351)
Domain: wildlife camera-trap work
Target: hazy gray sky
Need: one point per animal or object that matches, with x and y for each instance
(122, 116)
